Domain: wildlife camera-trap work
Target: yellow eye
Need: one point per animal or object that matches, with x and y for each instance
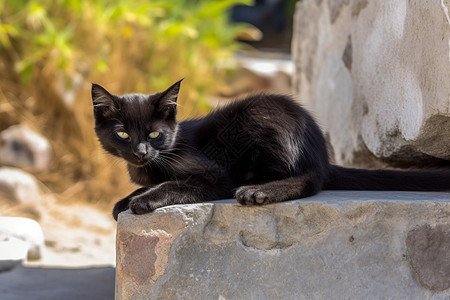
(153, 135)
(122, 135)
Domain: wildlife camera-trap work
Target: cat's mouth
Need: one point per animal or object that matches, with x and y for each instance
(138, 165)
(141, 161)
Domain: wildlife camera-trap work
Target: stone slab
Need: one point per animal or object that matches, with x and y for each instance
(335, 245)
(376, 76)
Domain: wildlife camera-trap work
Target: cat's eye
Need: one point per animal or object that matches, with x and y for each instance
(153, 135)
(122, 135)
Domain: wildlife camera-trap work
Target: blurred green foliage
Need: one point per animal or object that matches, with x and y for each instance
(51, 50)
(137, 45)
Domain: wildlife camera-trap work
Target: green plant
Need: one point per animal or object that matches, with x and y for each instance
(155, 42)
(52, 49)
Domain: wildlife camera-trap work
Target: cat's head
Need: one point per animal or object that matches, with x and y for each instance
(136, 127)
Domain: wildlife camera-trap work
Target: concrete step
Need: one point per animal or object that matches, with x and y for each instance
(335, 245)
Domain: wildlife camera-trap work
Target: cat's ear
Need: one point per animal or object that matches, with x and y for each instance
(103, 101)
(167, 103)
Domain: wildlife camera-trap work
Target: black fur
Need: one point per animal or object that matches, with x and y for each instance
(262, 149)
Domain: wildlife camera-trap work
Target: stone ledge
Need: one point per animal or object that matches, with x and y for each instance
(337, 244)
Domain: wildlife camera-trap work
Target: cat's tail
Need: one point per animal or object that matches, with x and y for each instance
(387, 180)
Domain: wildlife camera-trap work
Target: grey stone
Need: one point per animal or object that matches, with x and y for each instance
(18, 186)
(20, 238)
(376, 75)
(335, 245)
(21, 147)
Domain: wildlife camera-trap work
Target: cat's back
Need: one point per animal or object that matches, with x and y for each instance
(256, 116)
(260, 132)
(259, 106)
(260, 110)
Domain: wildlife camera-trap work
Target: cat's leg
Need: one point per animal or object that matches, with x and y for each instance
(123, 204)
(280, 190)
(196, 189)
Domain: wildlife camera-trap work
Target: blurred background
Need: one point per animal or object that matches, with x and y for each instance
(52, 168)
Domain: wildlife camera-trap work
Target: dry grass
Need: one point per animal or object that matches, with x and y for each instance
(136, 57)
(80, 170)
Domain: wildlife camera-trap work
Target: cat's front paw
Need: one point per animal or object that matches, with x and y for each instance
(123, 204)
(147, 202)
(252, 194)
(140, 206)
(120, 206)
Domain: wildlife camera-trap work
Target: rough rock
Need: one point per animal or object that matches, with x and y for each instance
(18, 186)
(376, 75)
(346, 245)
(21, 147)
(15, 231)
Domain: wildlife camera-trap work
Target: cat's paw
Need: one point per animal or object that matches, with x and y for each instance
(252, 194)
(120, 206)
(142, 206)
(147, 202)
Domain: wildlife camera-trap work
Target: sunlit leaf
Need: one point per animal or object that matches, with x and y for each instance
(36, 15)
(7, 31)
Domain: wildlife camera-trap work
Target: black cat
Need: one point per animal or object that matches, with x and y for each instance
(262, 149)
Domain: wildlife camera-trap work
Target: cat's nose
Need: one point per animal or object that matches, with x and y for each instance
(140, 151)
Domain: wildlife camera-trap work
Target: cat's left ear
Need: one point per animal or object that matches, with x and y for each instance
(100, 96)
(168, 101)
(103, 101)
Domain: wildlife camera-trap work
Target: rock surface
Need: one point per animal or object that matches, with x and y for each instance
(333, 245)
(429, 254)
(19, 187)
(376, 75)
(21, 147)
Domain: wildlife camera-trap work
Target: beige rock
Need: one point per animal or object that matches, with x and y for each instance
(21, 147)
(19, 187)
(335, 245)
(376, 75)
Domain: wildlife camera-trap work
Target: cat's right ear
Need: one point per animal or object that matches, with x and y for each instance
(103, 101)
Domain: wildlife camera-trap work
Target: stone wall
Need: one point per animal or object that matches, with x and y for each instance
(335, 245)
(377, 76)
